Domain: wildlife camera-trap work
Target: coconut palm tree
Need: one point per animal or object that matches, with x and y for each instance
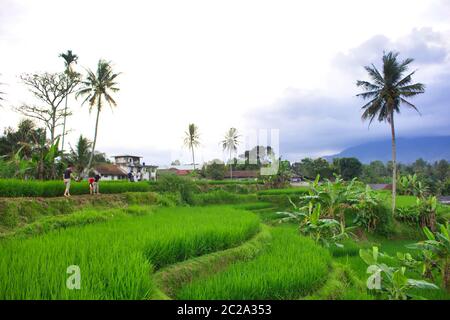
(387, 92)
(69, 60)
(230, 144)
(98, 88)
(192, 139)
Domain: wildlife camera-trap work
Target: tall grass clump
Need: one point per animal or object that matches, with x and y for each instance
(292, 267)
(116, 257)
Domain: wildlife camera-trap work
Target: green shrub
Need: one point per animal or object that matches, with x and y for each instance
(171, 183)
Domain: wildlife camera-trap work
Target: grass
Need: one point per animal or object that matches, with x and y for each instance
(292, 267)
(117, 257)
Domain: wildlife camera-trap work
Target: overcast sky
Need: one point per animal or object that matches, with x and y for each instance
(287, 65)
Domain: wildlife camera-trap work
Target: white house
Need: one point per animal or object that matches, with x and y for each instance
(123, 167)
(132, 164)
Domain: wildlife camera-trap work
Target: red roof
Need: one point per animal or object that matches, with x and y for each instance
(244, 174)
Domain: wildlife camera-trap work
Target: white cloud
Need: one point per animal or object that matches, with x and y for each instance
(208, 62)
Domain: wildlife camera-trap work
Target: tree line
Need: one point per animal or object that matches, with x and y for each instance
(37, 148)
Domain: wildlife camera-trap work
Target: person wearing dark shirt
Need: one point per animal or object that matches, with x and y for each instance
(67, 178)
(96, 183)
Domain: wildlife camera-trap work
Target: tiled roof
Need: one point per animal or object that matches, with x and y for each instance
(109, 169)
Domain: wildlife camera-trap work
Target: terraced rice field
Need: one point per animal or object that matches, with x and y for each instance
(292, 267)
(117, 257)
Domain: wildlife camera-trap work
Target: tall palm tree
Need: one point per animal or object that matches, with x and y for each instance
(230, 144)
(69, 60)
(387, 92)
(192, 139)
(97, 88)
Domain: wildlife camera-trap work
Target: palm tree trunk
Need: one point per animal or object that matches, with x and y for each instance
(95, 140)
(394, 164)
(193, 158)
(64, 127)
(231, 168)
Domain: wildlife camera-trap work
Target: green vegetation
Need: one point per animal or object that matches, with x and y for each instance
(292, 267)
(55, 188)
(117, 256)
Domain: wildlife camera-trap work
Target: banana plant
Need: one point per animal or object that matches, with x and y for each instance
(436, 252)
(324, 231)
(390, 282)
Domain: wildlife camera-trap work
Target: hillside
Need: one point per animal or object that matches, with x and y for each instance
(408, 150)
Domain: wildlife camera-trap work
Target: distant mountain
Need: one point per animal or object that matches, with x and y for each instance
(408, 150)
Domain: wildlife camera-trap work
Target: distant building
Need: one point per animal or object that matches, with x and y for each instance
(179, 170)
(123, 166)
(110, 172)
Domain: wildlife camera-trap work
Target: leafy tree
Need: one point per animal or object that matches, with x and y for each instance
(192, 139)
(442, 170)
(215, 170)
(230, 143)
(386, 93)
(375, 172)
(348, 168)
(309, 168)
(97, 88)
(69, 60)
(79, 156)
(25, 137)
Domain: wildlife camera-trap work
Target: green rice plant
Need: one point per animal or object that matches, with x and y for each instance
(253, 206)
(228, 182)
(286, 191)
(221, 197)
(116, 257)
(292, 266)
(55, 188)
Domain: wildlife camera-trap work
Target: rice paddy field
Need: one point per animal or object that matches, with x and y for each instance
(117, 257)
(225, 246)
(292, 267)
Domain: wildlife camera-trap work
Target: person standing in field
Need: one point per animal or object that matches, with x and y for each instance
(97, 183)
(67, 176)
(91, 185)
